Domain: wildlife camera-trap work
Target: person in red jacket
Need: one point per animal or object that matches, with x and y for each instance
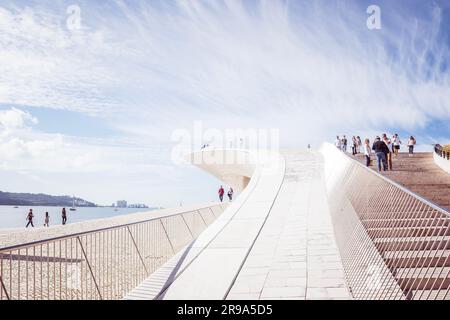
(221, 193)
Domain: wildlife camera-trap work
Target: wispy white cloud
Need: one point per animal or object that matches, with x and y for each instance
(46, 162)
(312, 69)
(159, 66)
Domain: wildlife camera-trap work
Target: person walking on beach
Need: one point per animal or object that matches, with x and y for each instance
(367, 152)
(381, 150)
(30, 217)
(411, 144)
(47, 220)
(387, 141)
(64, 216)
(221, 193)
(230, 194)
(396, 142)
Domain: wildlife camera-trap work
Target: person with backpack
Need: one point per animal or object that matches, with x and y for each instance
(381, 150)
(230, 194)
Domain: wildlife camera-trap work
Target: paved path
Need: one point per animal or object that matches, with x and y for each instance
(295, 256)
(277, 247)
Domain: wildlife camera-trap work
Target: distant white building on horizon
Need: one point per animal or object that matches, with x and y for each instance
(122, 204)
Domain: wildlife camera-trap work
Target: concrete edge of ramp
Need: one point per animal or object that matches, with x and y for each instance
(207, 268)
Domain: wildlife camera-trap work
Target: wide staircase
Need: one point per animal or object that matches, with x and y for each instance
(414, 242)
(420, 175)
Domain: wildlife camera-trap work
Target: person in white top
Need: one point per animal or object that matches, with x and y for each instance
(337, 143)
(358, 144)
(396, 142)
(367, 151)
(411, 144)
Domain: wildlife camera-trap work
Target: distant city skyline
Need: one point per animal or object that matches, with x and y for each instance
(89, 100)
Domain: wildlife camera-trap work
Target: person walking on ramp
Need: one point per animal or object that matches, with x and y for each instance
(230, 194)
(221, 193)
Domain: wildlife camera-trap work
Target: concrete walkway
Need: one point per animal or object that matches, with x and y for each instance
(277, 243)
(295, 256)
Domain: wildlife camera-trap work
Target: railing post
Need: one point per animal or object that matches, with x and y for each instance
(212, 211)
(137, 249)
(185, 222)
(90, 268)
(4, 288)
(167, 235)
(200, 214)
(98, 259)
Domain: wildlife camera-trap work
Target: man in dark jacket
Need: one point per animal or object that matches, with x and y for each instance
(381, 150)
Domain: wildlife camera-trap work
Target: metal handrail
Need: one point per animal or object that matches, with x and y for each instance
(104, 263)
(394, 243)
(32, 243)
(402, 188)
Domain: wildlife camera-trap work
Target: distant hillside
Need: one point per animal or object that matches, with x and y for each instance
(28, 199)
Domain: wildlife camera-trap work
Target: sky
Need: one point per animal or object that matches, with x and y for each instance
(92, 92)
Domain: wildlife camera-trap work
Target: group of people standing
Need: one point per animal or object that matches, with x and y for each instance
(30, 218)
(383, 147)
(222, 193)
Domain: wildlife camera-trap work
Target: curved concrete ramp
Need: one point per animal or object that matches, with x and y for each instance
(234, 167)
(275, 241)
(216, 257)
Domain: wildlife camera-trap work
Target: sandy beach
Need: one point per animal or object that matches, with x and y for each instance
(18, 236)
(96, 265)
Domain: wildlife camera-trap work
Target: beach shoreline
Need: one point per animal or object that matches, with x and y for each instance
(19, 236)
